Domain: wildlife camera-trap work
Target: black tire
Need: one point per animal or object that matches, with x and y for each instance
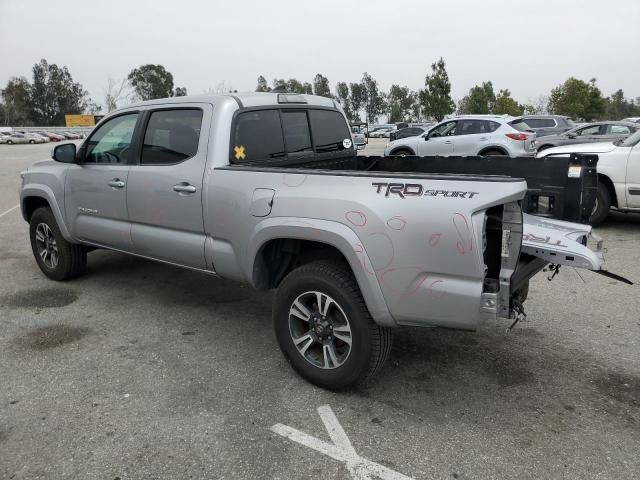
(493, 153)
(603, 205)
(370, 343)
(71, 258)
(403, 152)
(9, 142)
(32, 142)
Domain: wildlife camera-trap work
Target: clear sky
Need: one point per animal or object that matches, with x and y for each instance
(528, 47)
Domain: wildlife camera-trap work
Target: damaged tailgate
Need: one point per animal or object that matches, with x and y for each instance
(561, 243)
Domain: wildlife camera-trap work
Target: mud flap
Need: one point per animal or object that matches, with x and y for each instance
(563, 243)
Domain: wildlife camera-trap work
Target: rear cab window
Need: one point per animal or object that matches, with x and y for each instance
(297, 136)
(330, 132)
(257, 136)
(289, 132)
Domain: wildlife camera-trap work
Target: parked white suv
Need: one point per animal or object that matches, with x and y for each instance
(468, 135)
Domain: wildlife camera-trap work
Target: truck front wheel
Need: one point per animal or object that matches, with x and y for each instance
(602, 206)
(57, 258)
(324, 328)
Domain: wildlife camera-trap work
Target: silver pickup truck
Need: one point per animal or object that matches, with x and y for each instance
(267, 189)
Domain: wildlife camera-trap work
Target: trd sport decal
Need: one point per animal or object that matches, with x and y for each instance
(416, 190)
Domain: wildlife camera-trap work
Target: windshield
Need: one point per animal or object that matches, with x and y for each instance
(630, 141)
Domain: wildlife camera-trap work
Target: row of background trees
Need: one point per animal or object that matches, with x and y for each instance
(52, 93)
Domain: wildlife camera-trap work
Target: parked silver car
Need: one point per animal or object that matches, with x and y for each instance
(15, 138)
(381, 132)
(467, 135)
(589, 133)
(36, 137)
(545, 125)
(632, 119)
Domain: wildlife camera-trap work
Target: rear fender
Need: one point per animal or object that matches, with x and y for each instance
(331, 233)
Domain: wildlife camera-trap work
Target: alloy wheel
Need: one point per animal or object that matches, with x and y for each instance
(320, 330)
(47, 246)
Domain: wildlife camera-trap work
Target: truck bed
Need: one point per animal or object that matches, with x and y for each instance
(561, 188)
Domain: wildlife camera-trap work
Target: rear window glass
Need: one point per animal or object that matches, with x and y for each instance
(171, 137)
(329, 130)
(296, 131)
(520, 125)
(258, 136)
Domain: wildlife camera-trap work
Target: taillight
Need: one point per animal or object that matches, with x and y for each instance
(517, 136)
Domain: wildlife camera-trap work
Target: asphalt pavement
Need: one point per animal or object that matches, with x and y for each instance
(140, 370)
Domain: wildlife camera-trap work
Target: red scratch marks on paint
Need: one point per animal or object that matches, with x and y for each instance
(381, 250)
(362, 258)
(465, 238)
(356, 218)
(436, 292)
(434, 239)
(393, 277)
(397, 222)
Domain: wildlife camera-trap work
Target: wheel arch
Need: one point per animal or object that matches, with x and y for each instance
(401, 149)
(279, 245)
(497, 148)
(606, 181)
(33, 197)
(544, 146)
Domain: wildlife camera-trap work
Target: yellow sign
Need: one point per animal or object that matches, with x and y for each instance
(239, 152)
(80, 120)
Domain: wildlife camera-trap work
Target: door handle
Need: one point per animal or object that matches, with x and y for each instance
(484, 138)
(448, 142)
(116, 183)
(184, 188)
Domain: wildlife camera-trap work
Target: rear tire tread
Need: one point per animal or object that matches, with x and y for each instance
(381, 337)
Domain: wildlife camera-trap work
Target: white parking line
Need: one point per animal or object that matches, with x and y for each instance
(9, 211)
(341, 448)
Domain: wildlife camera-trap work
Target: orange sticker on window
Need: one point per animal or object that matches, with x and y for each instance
(240, 155)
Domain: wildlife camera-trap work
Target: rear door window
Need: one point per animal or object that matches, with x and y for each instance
(171, 137)
(534, 122)
(329, 130)
(618, 130)
(471, 127)
(257, 136)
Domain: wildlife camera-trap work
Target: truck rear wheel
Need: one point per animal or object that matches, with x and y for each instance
(57, 258)
(324, 328)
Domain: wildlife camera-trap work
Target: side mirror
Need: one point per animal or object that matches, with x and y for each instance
(571, 135)
(65, 153)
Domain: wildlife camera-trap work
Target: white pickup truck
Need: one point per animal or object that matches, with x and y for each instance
(618, 173)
